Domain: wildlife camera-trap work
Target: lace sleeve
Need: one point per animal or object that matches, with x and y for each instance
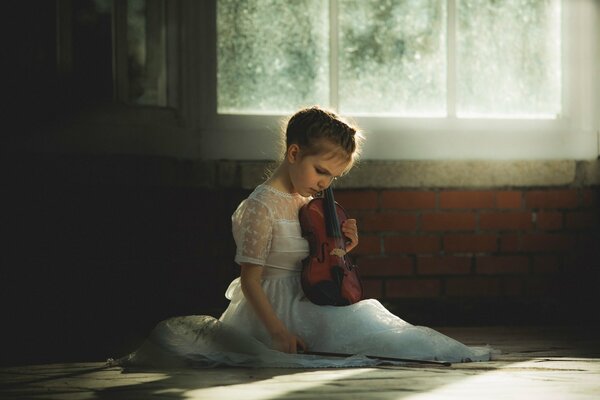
(252, 225)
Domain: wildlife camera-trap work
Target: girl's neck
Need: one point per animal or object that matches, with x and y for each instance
(280, 179)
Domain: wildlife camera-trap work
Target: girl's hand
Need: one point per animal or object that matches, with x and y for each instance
(288, 343)
(350, 230)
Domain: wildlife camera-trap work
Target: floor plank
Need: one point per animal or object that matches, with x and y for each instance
(545, 363)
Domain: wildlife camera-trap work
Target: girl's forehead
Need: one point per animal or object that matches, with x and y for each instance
(335, 161)
(331, 151)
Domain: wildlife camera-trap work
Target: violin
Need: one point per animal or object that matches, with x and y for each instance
(328, 275)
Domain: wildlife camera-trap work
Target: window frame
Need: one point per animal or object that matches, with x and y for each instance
(574, 135)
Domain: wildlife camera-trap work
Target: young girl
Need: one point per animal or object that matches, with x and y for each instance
(269, 319)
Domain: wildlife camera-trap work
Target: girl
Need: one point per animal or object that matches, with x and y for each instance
(269, 319)
(319, 148)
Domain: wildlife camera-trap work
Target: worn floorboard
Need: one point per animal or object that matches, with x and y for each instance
(535, 363)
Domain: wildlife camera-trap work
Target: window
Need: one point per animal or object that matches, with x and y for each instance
(418, 58)
(508, 58)
(424, 79)
(115, 50)
(273, 56)
(146, 79)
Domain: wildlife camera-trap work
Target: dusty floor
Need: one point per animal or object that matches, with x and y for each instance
(536, 363)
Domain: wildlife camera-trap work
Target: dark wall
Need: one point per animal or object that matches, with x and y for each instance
(96, 248)
(88, 267)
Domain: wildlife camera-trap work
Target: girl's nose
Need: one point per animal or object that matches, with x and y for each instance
(325, 182)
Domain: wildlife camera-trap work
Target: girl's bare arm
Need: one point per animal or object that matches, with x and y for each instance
(283, 340)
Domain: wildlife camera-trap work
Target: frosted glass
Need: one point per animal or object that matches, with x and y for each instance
(273, 56)
(508, 58)
(392, 57)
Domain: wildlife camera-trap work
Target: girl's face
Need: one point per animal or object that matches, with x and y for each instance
(310, 174)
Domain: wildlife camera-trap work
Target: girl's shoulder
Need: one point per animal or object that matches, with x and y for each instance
(269, 194)
(280, 205)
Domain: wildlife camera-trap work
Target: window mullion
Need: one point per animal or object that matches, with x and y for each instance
(333, 55)
(451, 59)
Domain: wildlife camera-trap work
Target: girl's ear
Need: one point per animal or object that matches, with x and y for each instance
(293, 153)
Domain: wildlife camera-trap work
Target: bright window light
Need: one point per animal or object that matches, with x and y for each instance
(456, 58)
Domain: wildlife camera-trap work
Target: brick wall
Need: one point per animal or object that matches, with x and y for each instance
(471, 246)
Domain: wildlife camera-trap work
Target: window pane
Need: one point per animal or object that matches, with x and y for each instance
(146, 52)
(508, 58)
(272, 55)
(392, 57)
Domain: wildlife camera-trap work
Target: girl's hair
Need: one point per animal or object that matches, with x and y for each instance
(311, 128)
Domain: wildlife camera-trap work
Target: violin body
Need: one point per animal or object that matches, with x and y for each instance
(328, 275)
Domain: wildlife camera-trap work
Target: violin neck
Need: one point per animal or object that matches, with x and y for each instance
(331, 217)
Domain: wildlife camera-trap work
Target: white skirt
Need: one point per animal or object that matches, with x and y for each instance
(365, 329)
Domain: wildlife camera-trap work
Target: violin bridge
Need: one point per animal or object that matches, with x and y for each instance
(338, 252)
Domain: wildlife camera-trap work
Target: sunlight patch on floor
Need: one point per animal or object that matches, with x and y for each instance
(532, 379)
(274, 388)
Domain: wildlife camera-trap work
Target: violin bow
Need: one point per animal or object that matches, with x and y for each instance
(406, 360)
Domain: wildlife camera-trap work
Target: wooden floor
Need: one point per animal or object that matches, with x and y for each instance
(536, 363)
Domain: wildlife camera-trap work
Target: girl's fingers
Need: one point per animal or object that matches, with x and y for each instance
(351, 232)
(349, 229)
(296, 344)
(301, 345)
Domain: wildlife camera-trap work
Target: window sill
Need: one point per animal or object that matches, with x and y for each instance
(448, 174)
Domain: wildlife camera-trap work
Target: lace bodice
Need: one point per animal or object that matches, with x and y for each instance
(267, 231)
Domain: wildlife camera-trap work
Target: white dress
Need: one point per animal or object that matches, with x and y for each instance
(267, 232)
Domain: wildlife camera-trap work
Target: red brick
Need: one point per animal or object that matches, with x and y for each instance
(408, 200)
(466, 200)
(546, 264)
(585, 255)
(411, 244)
(566, 198)
(357, 199)
(509, 243)
(372, 288)
(513, 286)
(547, 242)
(502, 265)
(368, 245)
(388, 221)
(505, 221)
(542, 286)
(549, 220)
(449, 221)
(582, 220)
(443, 265)
(589, 198)
(474, 286)
(413, 288)
(588, 243)
(470, 243)
(385, 266)
(508, 200)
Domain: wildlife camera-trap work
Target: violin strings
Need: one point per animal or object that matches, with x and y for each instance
(333, 221)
